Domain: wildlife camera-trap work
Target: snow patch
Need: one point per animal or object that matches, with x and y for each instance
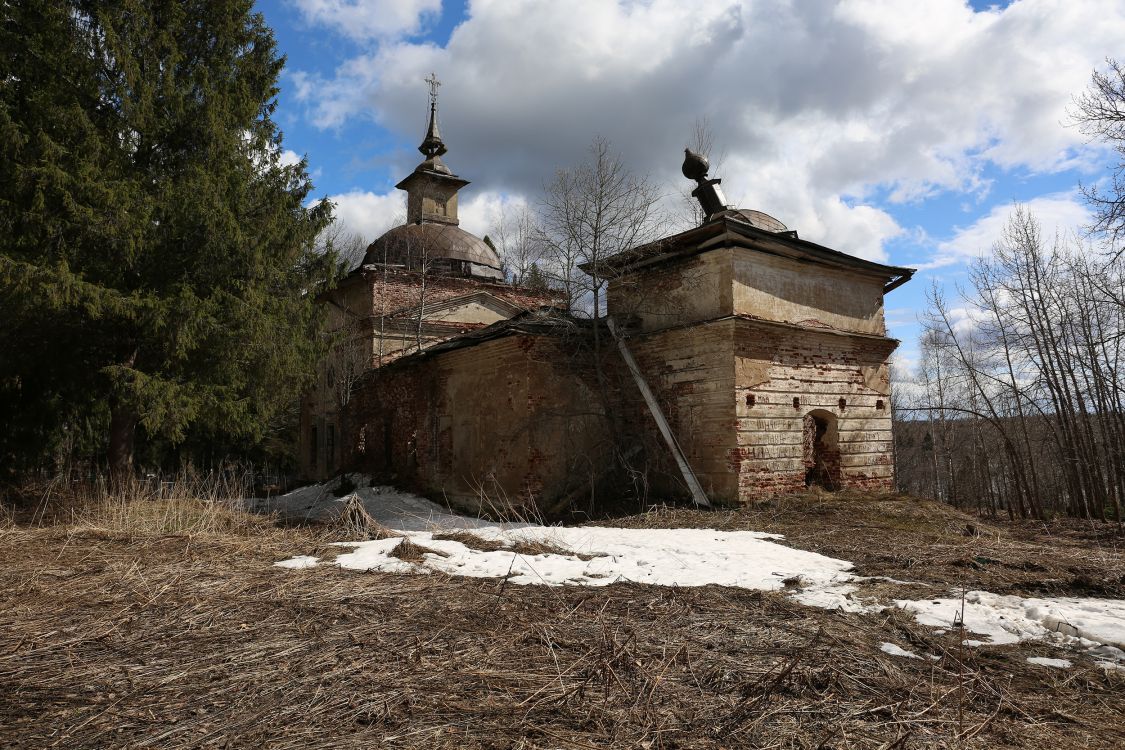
(597, 556)
(1044, 661)
(300, 561)
(1094, 624)
(893, 650)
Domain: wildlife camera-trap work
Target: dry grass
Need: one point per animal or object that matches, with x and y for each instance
(470, 540)
(355, 524)
(408, 551)
(193, 639)
(527, 547)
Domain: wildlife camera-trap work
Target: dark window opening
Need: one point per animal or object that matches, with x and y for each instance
(330, 445)
(312, 446)
(821, 450)
(796, 402)
(750, 399)
(843, 404)
(879, 404)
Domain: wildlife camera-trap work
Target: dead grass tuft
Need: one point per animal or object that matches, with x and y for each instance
(538, 547)
(356, 524)
(408, 551)
(470, 540)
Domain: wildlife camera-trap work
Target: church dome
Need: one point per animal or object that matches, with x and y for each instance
(759, 219)
(446, 248)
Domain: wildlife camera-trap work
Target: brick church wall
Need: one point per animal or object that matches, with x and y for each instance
(510, 423)
(841, 377)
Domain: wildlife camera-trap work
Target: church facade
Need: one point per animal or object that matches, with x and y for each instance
(420, 283)
(767, 357)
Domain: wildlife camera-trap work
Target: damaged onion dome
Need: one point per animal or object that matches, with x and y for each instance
(430, 240)
(442, 248)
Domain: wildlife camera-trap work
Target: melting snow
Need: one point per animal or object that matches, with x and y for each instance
(1095, 624)
(1044, 661)
(300, 561)
(596, 556)
(893, 650)
(599, 556)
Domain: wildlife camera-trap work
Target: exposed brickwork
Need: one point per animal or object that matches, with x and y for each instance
(692, 372)
(395, 290)
(510, 422)
(382, 305)
(819, 368)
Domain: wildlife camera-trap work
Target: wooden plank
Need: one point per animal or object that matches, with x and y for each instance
(698, 496)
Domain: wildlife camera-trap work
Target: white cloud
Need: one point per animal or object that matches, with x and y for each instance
(368, 19)
(289, 158)
(480, 212)
(369, 214)
(1058, 214)
(819, 109)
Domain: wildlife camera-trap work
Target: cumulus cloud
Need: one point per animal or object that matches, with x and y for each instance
(369, 214)
(289, 158)
(820, 109)
(368, 19)
(1057, 214)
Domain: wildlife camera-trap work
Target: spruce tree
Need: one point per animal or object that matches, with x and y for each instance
(157, 261)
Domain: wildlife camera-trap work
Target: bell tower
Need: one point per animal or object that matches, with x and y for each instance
(431, 189)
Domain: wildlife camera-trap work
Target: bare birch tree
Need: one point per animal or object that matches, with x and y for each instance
(517, 240)
(589, 213)
(1022, 400)
(1100, 113)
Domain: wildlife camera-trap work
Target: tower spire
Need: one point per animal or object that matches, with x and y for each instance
(431, 189)
(432, 145)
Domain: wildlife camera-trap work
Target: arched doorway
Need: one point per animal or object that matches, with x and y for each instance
(821, 450)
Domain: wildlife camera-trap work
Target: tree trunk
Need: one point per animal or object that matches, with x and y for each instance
(122, 430)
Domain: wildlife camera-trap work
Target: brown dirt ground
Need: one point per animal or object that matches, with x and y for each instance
(111, 639)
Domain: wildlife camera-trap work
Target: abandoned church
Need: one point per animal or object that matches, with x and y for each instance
(735, 360)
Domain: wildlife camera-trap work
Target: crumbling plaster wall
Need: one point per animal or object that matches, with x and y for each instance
(774, 365)
(368, 300)
(687, 290)
(705, 342)
(785, 290)
(395, 290)
(691, 371)
(508, 423)
(743, 281)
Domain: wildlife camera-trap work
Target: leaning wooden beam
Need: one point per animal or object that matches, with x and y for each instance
(697, 495)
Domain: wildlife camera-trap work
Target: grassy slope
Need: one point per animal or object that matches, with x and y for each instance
(119, 634)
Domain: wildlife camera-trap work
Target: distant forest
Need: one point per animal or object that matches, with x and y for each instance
(1018, 403)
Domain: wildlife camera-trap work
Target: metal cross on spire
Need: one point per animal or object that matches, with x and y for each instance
(432, 145)
(434, 85)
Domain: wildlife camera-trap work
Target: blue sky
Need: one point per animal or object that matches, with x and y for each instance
(899, 131)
